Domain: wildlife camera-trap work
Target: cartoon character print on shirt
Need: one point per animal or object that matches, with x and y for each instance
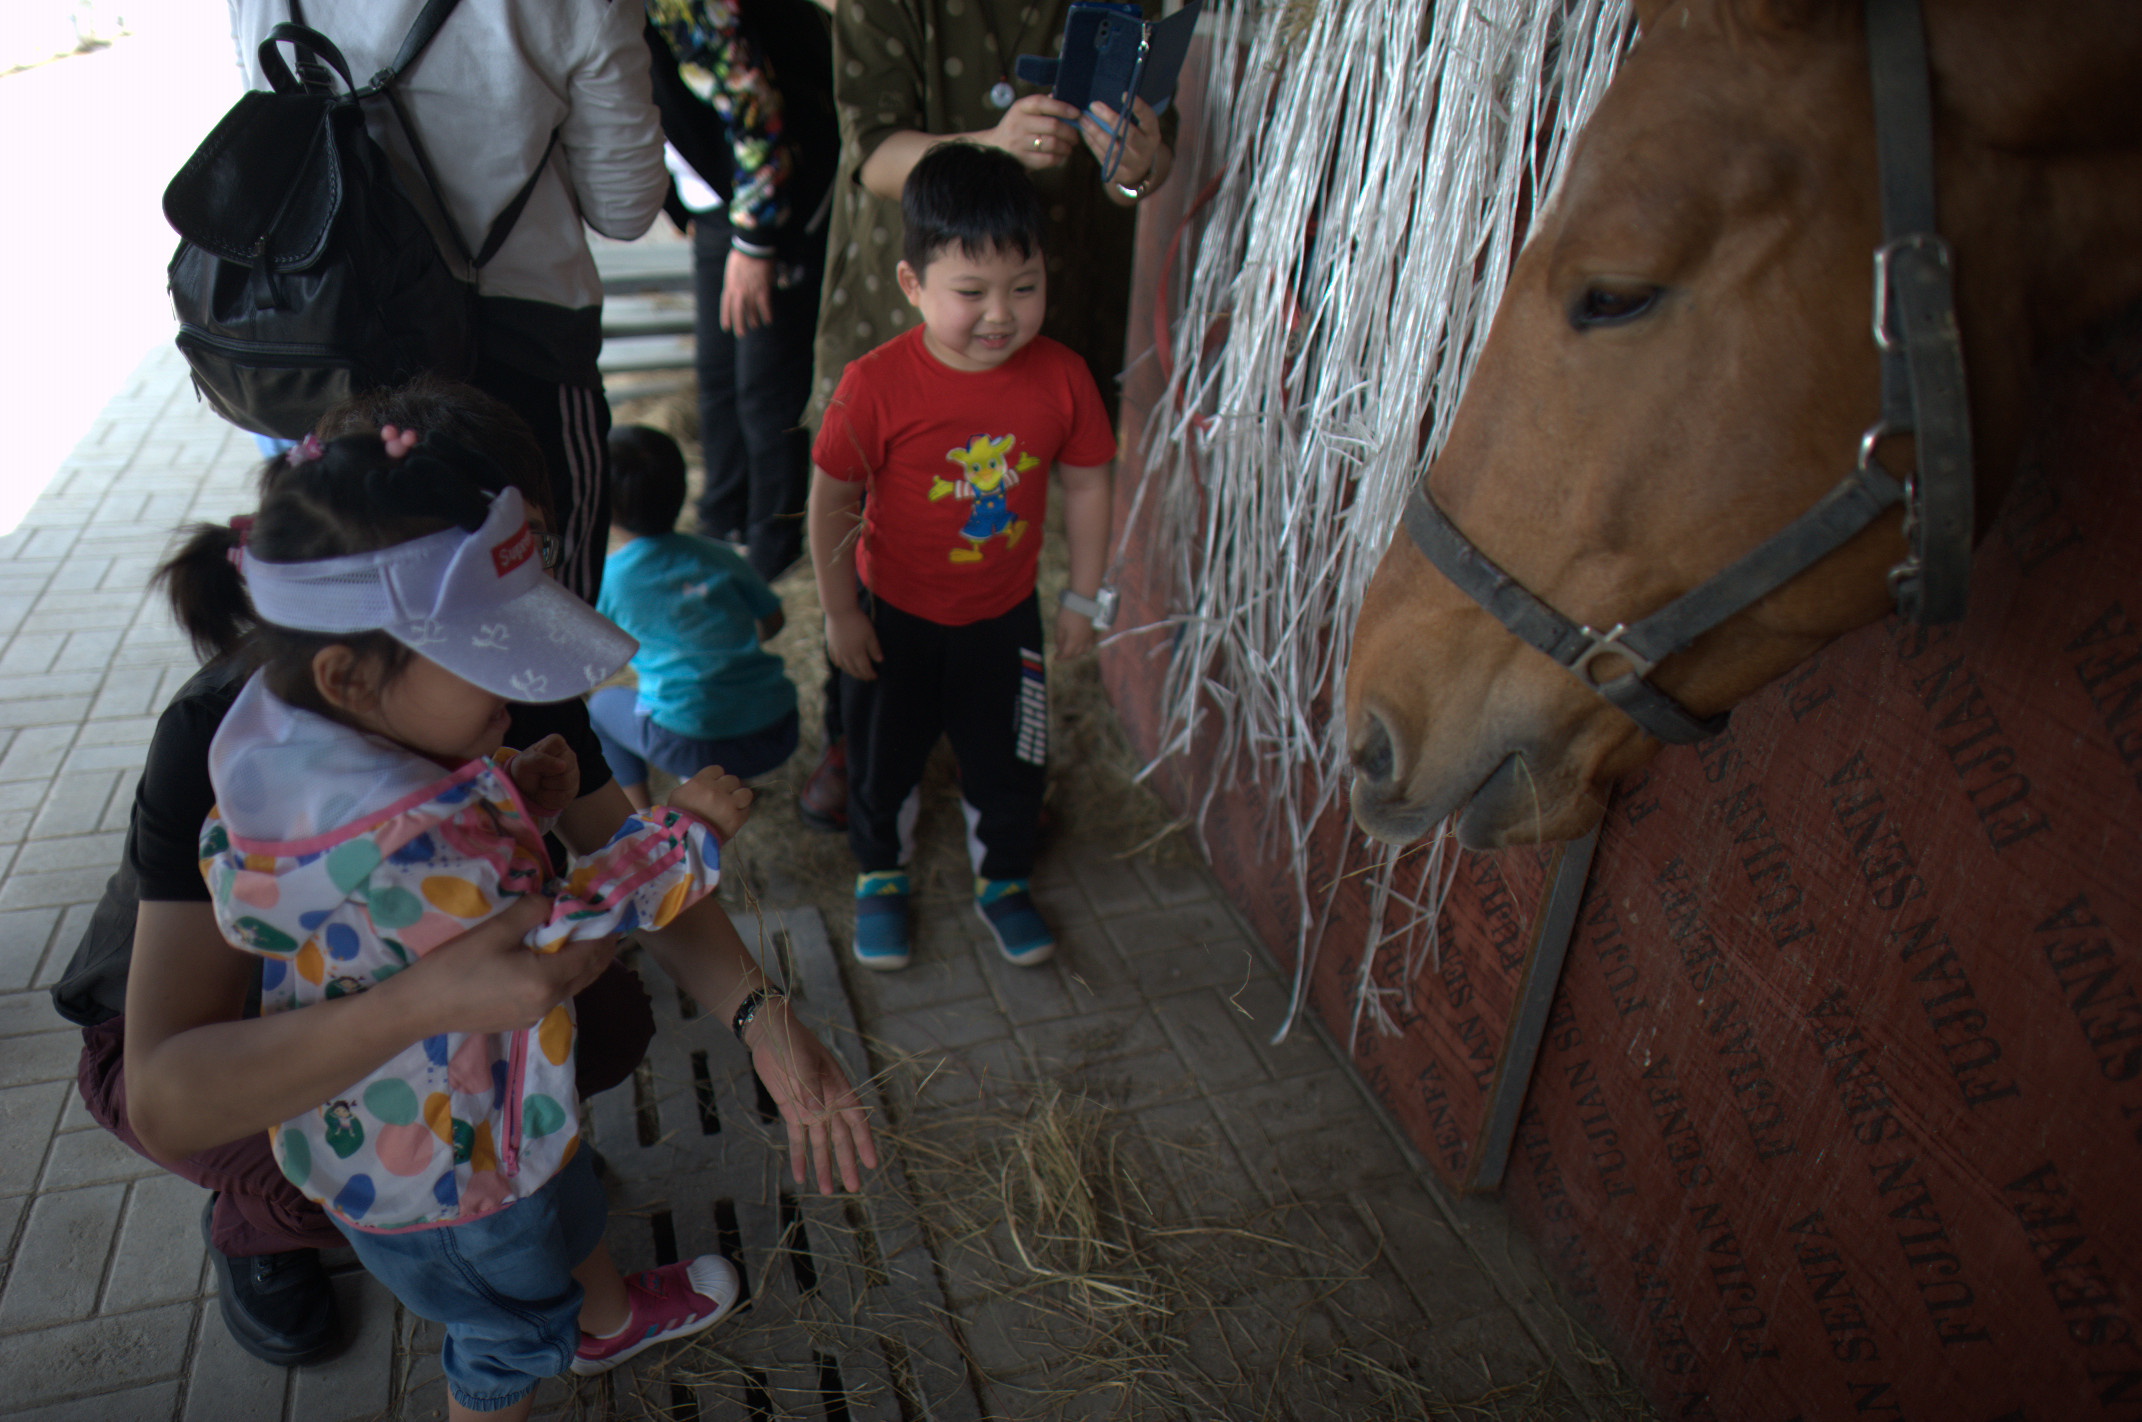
(344, 1131)
(988, 476)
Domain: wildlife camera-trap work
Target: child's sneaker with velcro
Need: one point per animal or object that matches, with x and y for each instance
(669, 1302)
(881, 920)
(1007, 906)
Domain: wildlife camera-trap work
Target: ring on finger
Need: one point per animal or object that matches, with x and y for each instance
(1037, 144)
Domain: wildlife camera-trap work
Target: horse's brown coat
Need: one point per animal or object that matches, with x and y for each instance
(1731, 168)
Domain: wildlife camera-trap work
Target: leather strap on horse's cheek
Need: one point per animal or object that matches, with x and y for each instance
(1479, 578)
(1540, 626)
(1923, 391)
(1851, 504)
(1947, 498)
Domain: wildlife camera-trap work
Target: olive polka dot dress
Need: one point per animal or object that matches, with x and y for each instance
(929, 66)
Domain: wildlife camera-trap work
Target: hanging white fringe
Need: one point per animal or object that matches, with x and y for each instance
(1376, 161)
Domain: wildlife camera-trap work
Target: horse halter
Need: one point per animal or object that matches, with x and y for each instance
(1916, 333)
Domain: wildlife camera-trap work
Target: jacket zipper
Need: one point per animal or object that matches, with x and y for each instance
(509, 1162)
(262, 352)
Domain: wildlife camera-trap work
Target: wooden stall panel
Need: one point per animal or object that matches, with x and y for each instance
(1841, 1109)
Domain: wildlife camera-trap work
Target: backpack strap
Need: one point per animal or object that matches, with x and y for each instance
(427, 24)
(502, 225)
(311, 48)
(420, 34)
(310, 43)
(310, 72)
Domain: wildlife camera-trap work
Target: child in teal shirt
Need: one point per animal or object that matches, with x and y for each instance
(709, 693)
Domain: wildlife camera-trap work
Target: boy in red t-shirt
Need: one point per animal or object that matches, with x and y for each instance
(951, 429)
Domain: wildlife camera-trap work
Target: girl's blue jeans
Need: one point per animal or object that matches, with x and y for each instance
(503, 1285)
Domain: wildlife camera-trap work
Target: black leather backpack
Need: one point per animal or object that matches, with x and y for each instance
(306, 272)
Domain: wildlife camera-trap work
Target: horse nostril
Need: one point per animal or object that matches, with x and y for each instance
(1373, 756)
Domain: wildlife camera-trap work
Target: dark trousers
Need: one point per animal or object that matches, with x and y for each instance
(752, 390)
(572, 424)
(981, 686)
(260, 1211)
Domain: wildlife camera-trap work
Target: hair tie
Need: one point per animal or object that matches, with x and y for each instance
(305, 451)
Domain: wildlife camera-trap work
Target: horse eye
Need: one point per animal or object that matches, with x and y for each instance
(1605, 306)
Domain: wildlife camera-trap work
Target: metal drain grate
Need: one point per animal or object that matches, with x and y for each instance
(845, 1311)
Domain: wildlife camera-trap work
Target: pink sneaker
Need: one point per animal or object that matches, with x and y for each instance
(667, 1303)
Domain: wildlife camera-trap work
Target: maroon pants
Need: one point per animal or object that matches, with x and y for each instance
(259, 1211)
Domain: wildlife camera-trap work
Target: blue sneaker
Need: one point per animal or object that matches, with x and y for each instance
(881, 920)
(1008, 908)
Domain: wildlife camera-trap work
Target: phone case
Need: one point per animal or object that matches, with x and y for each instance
(1111, 52)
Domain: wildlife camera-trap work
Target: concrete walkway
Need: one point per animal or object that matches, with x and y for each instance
(1158, 1005)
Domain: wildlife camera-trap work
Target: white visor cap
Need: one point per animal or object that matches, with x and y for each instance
(478, 604)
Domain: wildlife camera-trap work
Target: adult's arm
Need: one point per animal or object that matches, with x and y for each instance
(200, 1073)
(702, 952)
(612, 134)
(827, 1126)
(883, 97)
(1032, 131)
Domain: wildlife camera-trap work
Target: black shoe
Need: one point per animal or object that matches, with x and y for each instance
(279, 1307)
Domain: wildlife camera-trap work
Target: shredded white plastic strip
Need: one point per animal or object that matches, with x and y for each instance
(1380, 165)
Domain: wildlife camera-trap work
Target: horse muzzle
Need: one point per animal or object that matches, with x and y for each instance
(1497, 794)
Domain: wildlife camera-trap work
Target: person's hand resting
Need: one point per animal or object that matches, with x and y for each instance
(717, 797)
(1035, 131)
(548, 776)
(1074, 635)
(852, 643)
(746, 292)
(826, 1123)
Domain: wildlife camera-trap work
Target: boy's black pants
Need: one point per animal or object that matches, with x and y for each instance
(982, 687)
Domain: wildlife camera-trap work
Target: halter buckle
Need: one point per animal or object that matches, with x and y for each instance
(1928, 242)
(1599, 643)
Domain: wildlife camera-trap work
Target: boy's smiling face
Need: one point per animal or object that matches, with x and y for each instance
(977, 311)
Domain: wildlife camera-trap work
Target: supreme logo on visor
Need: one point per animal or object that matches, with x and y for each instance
(518, 549)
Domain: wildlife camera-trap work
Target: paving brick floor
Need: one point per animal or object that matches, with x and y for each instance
(1158, 1004)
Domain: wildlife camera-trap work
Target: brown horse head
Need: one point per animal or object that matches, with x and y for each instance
(1681, 365)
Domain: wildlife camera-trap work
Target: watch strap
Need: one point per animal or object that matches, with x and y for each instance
(748, 1009)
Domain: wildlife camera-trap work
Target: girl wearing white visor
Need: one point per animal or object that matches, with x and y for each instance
(367, 815)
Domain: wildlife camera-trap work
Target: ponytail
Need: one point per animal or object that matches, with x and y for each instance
(208, 597)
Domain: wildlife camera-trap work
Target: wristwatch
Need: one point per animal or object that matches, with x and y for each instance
(749, 1009)
(1100, 609)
